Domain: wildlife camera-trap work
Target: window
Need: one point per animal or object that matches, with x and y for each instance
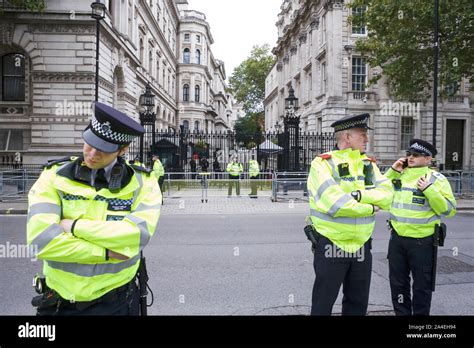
(150, 62)
(186, 56)
(452, 88)
(142, 50)
(407, 132)
(197, 94)
(186, 93)
(198, 38)
(158, 68)
(323, 30)
(185, 126)
(130, 20)
(323, 78)
(359, 74)
(196, 126)
(198, 57)
(186, 37)
(12, 71)
(359, 30)
(11, 140)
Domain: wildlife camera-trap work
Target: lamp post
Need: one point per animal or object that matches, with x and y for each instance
(435, 68)
(98, 13)
(292, 127)
(147, 116)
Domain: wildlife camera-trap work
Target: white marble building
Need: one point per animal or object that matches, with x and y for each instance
(48, 68)
(315, 53)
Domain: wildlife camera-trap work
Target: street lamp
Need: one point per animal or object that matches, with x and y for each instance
(147, 116)
(98, 13)
(292, 127)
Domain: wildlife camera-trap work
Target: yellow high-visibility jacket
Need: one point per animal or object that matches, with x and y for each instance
(415, 213)
(334, 212)
(75, 265)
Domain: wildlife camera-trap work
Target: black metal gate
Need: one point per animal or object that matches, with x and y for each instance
(276, 151)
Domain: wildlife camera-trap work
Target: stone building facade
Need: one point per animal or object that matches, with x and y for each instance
(48, 72)
(315, 53)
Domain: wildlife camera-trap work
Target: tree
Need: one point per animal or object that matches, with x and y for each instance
(31, 5)
(247, 82)
(248, 129)
(400, 41)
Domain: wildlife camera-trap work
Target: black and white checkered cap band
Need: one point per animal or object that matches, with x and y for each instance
(105, 132)
(420, 148)
(349, 125)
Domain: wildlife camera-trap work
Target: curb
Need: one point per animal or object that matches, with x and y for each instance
(13, 211)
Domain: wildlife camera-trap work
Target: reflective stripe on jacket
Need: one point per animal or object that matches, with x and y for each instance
(415, 213)
(334, 212)
(75, 265)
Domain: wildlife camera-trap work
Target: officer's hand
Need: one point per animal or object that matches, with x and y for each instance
(398, 165)
(66, 224)
(423, 184)
(376, 208)
(114, 255)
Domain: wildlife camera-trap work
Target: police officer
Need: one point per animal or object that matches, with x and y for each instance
(421, 197)
(234, 169)
(254, 171)
(90, 217)
(346, 188)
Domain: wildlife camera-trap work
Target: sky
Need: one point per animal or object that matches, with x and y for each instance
(238, 25)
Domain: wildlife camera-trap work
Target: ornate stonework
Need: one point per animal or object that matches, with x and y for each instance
(63, 77)
(6, 33)
(62, 28)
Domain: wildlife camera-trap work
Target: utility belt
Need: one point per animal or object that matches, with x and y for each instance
(50, 298)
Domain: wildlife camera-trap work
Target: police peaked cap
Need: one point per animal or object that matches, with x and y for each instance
(110, 129)
(348, 122)
(423, 147)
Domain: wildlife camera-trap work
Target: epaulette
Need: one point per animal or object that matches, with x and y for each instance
(53, 162)
(325, 156)
(141, 169)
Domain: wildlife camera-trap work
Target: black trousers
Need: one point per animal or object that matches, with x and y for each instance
(123, 302)
(410, 256)
(333, 267)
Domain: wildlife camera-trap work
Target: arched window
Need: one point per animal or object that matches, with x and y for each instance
(198, 57)
(142, 50)
(187, 56)
(197, 93)
(186, 92)
(12, 73)
(196, 126)
(185, 126)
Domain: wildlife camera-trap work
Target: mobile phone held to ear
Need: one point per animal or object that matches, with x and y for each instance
(405, 163)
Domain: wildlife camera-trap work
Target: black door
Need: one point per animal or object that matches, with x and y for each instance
(454, 144)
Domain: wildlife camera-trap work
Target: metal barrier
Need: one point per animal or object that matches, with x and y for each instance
(15, 184)
(290, 185)
(215, 184)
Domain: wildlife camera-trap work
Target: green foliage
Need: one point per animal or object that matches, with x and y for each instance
(400, 40)
(248, 129)
(247, 82)
(30, 5)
